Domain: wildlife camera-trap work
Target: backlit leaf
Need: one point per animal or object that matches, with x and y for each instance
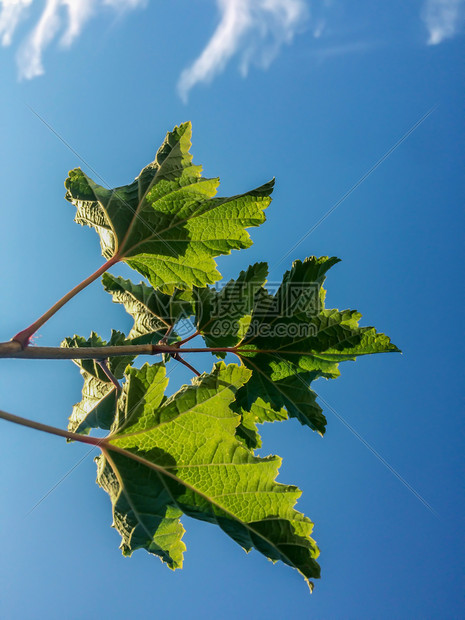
(290, 341)
(168, 224)
(183, 454)
(99, 395)
(155, 314)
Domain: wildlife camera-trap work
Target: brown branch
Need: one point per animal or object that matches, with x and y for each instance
(13, 350)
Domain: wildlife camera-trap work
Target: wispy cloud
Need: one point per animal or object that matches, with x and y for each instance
(12, 12)
(443, 19)
(254, 29)
(59, 17)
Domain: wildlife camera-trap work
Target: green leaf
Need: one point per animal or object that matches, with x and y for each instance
(257, 405)
(291, 340)
(168, 224)
(183, 454)
(155, 314)
(159, 530)
(223, 316)
(259, 412)
(99, 395)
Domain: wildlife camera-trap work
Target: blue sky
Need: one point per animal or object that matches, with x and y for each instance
(314, 93)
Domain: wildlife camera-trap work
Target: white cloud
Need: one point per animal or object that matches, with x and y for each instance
(64, 17)
(443, 19)
(255, 29)
(12, 12)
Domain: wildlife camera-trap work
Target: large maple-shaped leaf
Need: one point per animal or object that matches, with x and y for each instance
(223, 315)
(155, 314)
(291, 339)
(99, 394)
(183, 454)
(297, 400)
(168, 224)
(142, 512)
(131, 490)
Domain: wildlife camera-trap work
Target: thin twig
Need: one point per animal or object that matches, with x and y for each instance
(104, 366)
(52, 430)
(164, 340)
(24, 336)
(197, 333)
(178, 358)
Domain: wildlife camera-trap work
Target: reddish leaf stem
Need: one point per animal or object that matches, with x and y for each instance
(52, 430)
(104, 366)
(197, 333)
(178, 358)
(164, 340)
(24, 336)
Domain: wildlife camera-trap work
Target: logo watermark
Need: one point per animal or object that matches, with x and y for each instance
(224, 327)
(282, 310)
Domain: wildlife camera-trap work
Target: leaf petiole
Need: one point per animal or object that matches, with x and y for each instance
(104, 366)
(24, 336)
(51, 430)
(182, 342)
(178, 358)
